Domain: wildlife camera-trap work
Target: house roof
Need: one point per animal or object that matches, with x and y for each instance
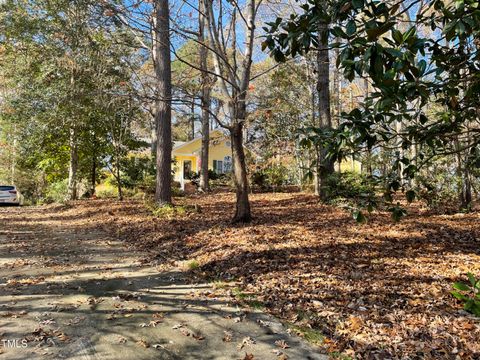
(177, 145)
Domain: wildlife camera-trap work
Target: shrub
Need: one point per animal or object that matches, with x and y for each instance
(105, 191)
(219, 180)
(57, 192)
(136, 169)
(350, 185)
(177, 191)
(439, 192)
(147, 184)
(270, 177)
(212, 175)
(214, 178)
(259, 178)
(469, 294)
(194, 178)
(352, 191)
(277, 175)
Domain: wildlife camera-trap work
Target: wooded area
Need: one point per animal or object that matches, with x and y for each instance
(354, 125)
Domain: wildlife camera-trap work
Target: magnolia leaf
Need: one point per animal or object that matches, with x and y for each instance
(461, 286)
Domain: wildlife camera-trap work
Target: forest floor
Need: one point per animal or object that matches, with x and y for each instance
(374, 291)
(69, 290)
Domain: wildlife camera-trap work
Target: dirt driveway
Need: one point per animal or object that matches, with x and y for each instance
(72, 292)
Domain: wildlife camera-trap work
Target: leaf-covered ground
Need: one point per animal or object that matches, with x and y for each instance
(380, 290)
(69, 290)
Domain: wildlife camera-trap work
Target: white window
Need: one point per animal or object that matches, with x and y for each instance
(218, 166)
(227, 164)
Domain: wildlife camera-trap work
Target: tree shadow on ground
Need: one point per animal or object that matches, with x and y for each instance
(299, 257)
(90, 298)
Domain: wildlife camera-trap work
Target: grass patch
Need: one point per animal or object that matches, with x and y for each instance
(193, 265)
(315, 337)
(221, 285)
(255, 304)
(247, 299)
(239, 294)
(311, 335)
(337, 355)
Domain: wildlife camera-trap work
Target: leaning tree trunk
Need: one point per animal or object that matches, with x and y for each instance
(325, 167)
(242, 210)
(205, 99)
(73, 165)
(163, 110)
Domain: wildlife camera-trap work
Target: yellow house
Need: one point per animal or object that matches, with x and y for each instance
(349, 164)
(187, 156)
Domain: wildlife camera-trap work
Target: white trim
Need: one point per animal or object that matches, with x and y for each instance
(182, 181)
(184, 154)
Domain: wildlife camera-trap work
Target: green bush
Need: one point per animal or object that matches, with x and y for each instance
(439, 191)
(259, 178)
(107, 191)
(212, 175)
(352, 191)
(271, 177)
(177, 191)
(220, 180)
(214, 179)
(469, 294)
(147, 184)
(57, 192)
(136, 169)
(350, 185)
(194, 178)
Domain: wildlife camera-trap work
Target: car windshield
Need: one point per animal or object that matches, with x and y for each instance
(6, 188)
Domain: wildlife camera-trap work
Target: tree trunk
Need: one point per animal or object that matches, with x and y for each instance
(192, 120)
(325, 166)
(400, 151)
(227, 66)
(459, 174)
(153, 145)
(163, 110)
(204, 186)
(119, 179)
(369, 149)
(73, 165)
(93, 175)
(14, 156)
(468, 189)
(242, 212)
(205, 100)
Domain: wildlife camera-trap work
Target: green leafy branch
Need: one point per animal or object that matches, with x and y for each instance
(469, 294)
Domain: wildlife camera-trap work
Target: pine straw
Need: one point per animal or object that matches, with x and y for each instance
(380, 290)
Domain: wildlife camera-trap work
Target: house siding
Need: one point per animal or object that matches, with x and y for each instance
(218, 150)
